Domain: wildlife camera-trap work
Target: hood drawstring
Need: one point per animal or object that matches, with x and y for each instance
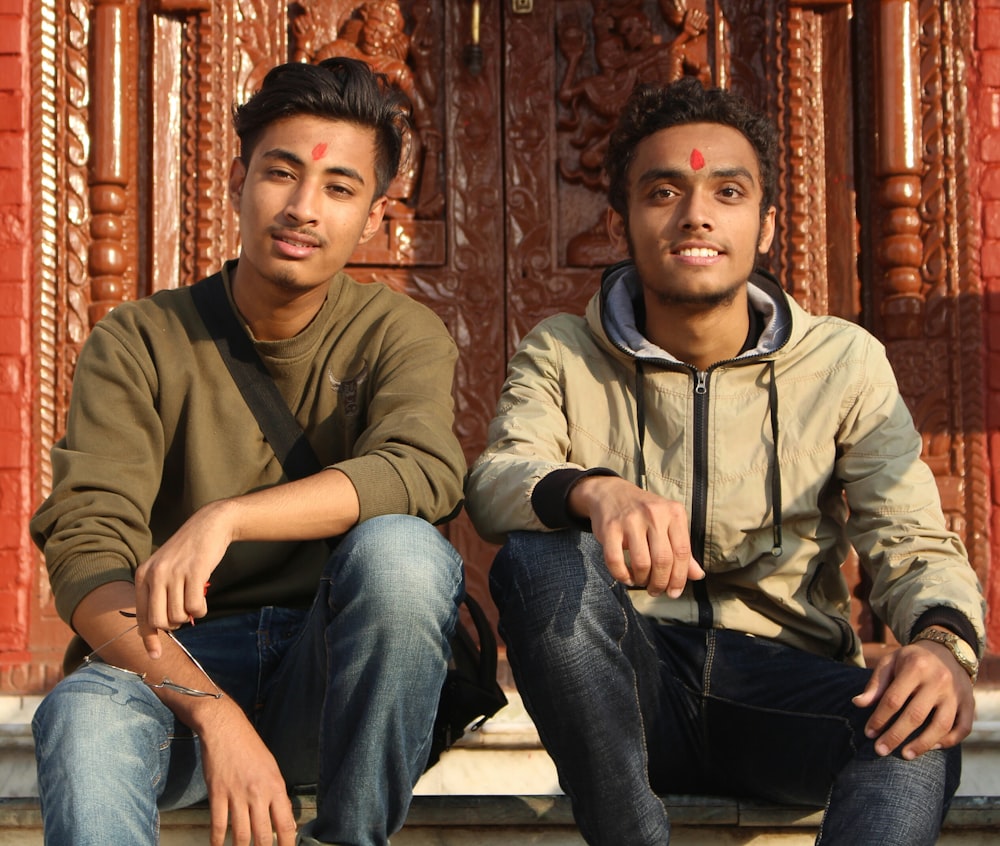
(640, 422)
(772, 401)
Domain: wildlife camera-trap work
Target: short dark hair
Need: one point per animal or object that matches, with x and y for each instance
(336, 89)
(650, 109)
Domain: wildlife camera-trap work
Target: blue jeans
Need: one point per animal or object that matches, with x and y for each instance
(344, 695)
(629, 709)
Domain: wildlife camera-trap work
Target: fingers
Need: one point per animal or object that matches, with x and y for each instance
(218, 822)
(876, 686)
(922, 702)
(614, 545)
(284, 824)
(254, 823)
(165, 604)
(910, 713)
(647, 556)
(644, 537)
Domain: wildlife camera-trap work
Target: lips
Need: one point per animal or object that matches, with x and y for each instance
(698, 252)
(294, 245)
(295, 239)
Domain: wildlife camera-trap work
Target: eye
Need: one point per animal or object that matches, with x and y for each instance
(280, 173)
(732, 192)
(339, 189)
(662, 192)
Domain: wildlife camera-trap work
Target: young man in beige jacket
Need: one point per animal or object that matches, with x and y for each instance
(678, 476)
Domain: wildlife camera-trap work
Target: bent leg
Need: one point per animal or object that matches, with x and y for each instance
(587, 669)
(890, 801)
(105, 746)
(354, 700)
(782, 726)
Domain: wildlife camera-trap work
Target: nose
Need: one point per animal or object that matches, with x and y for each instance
(302, 206)
(696, 212)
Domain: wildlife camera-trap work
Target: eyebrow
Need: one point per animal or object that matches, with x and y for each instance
(283, 155)
(675, 174)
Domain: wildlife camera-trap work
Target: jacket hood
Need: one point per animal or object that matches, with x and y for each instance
(613, 309)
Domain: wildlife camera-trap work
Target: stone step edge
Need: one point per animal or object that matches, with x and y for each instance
(967, 812)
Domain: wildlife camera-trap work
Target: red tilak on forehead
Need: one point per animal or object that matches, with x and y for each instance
(697, 160)
(318, 152)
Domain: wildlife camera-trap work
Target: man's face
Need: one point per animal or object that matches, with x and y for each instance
(694, 225)
(305, 201)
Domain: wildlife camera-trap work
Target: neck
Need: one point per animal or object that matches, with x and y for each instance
(698, 335)
(274, 313)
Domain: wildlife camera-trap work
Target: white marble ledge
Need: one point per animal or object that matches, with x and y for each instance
(510, 728)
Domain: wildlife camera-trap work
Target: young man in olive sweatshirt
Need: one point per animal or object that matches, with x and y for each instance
(168, 505)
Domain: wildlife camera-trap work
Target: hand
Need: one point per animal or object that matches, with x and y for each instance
(653, 530)
(913, 683)
(170, 586)
(246, 792)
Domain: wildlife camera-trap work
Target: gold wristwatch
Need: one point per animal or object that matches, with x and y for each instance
(964, 654)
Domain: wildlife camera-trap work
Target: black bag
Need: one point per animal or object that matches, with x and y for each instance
(470, 695)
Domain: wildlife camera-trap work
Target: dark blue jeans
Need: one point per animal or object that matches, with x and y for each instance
(344, 695)
(629, 709)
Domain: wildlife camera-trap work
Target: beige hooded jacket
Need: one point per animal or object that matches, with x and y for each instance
(782, 457)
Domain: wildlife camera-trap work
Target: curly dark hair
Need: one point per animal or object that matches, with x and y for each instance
(336, 89)
(650, 109)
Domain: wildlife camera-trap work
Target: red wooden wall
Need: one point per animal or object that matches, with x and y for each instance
(17, 560)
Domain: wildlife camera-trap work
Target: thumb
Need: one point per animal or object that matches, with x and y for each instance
(695, 572)
(876, 686)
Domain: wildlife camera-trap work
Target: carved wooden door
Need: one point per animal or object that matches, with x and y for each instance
(497, 222)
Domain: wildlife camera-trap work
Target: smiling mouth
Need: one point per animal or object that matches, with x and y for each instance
(698, 252)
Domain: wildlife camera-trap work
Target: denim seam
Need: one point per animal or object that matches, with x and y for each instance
(635, 681)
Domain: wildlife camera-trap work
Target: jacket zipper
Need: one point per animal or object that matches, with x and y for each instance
(699, 495)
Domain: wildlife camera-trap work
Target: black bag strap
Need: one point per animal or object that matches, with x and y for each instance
(276, 421)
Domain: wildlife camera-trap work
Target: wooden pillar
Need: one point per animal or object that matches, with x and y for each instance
(113, 123)
(898, 162)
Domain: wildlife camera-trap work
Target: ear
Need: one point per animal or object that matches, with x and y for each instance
(616, 231)
(375, 214)
(766, 231)
(237, 176)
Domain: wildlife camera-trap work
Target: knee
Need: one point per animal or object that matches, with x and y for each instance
(94, 715)
(400, 562)
(531, 564)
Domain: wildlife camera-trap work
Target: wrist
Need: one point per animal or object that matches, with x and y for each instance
(223, 518)
(962, 652)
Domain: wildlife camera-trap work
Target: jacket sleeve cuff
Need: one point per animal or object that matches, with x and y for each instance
(550, 498)
(948, 618)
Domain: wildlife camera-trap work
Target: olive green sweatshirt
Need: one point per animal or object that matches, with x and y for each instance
(157, 428)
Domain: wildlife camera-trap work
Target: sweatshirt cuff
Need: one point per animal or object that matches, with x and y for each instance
(948, 618)
(550, 498)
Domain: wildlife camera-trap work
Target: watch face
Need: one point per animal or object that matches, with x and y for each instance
(965, 651)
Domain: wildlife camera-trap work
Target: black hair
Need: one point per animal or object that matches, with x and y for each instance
(650, 109)
(336, 89)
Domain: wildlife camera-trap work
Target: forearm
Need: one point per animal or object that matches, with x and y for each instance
(320, 506)
(99, 621)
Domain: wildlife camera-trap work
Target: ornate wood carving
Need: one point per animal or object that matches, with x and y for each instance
(399, 43)
(61, 235)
